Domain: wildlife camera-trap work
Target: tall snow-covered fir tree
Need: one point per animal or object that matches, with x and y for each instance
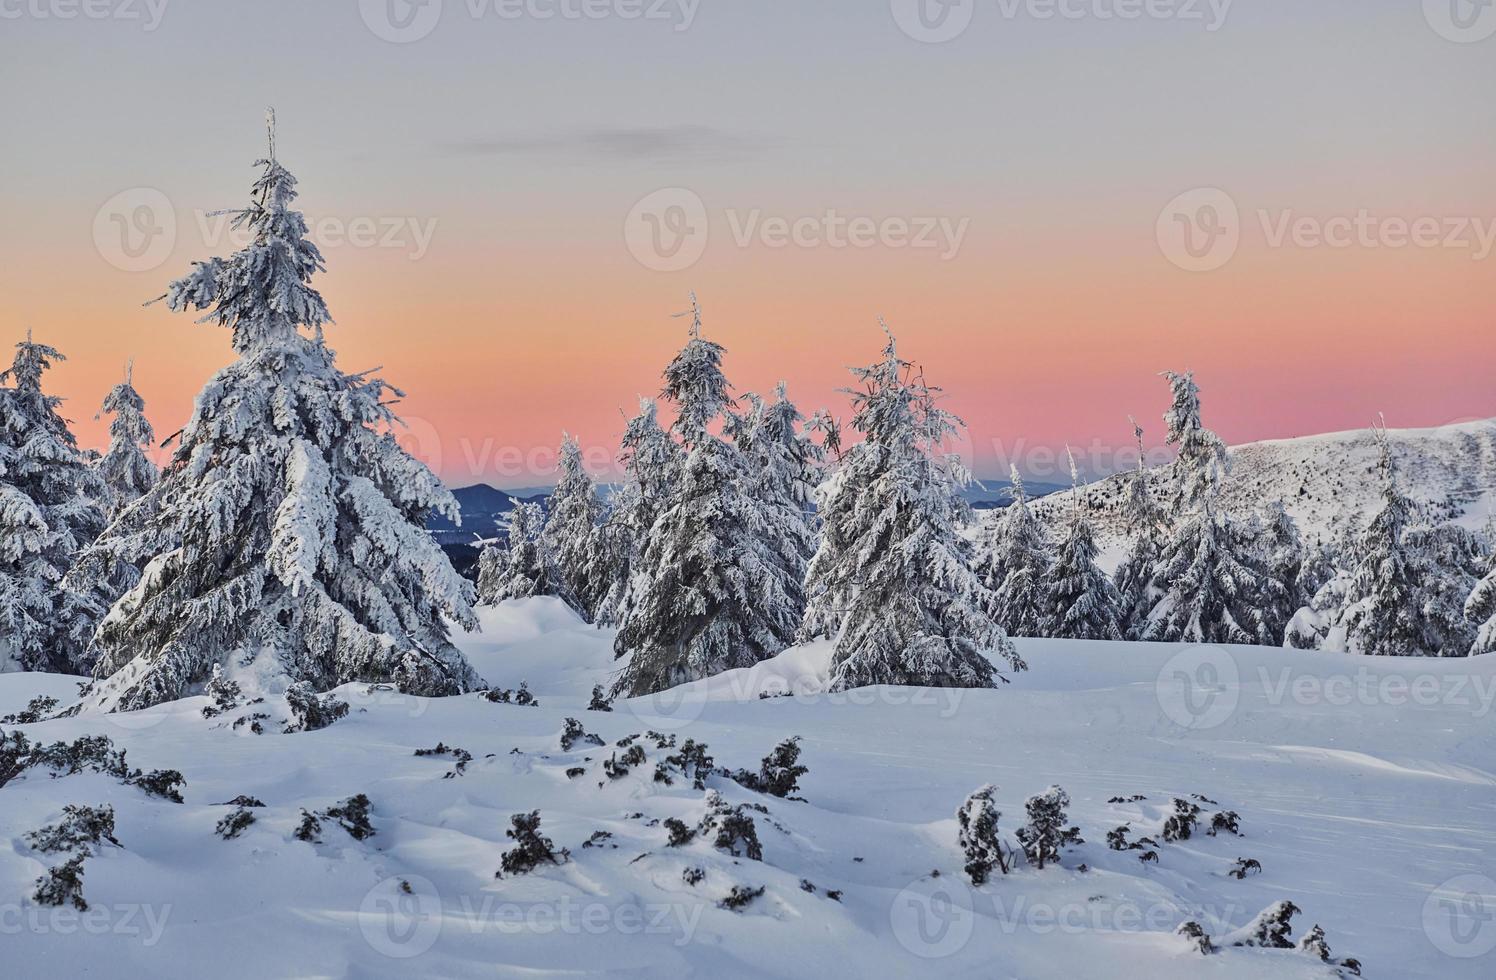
(715, 594)
(650, 458)
(289, 523)
(98, 577)
(50, 507)
(1146, 521)
(522, 570)
(1015, 565)
(125, 469)
(892, 581)
(784, 466)
(1212, 580)
(570, 536)
(1283, 548)
(1083, 602)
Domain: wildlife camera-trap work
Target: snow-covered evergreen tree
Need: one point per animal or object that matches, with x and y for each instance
(1083, 602)
(714, 592)
(1145, 520)
(289, 523)
(1016, 567)
(522, 570)
(1212, 579)
(891, 581)
(569, 539)
(98, 578)
(1401, 591)
(783, 472)
(1480, 608)
(49, 508)
(1284, 551)
(126, 471)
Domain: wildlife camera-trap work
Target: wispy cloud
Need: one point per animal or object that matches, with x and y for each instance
(625, 144)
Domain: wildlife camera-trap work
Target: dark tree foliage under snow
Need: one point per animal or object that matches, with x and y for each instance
(892, 581)
(1082, 603)
(1016, 567)
(715, 593)
(289, 520)
(49, 509)
(1045, 835)
(978, 836)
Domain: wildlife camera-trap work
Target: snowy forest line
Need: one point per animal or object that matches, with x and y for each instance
(289, 525)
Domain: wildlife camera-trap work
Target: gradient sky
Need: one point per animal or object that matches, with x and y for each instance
(527, 141)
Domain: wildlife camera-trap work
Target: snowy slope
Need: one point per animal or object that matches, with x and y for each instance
(1360, 800)
(1327, 479)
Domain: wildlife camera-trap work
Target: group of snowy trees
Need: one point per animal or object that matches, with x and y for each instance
(734, 536)
(289, 524)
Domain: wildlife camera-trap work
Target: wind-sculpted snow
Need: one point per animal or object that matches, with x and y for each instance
(1362, 789)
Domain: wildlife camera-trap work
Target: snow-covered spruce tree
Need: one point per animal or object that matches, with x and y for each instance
(784, 467)
(569, 537)
(892, 581)
(1399, 596)
(1083, 602)
(1480, 608)
(978, 836)
(1283, 549)
(49, 508)
(289, 522)
(126, 471)
(1212, 580)
(715, 594)
(1016, 567)
(97, 579)
(522, 570)
(1146, 521)
(650, 458)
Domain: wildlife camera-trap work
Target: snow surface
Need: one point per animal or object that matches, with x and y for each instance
(1366, 789)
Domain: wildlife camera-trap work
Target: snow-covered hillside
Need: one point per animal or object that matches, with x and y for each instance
(1328, 479)
(1366, 790)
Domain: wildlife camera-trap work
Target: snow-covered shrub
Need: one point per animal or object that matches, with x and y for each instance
(1225, 822)
(1197, 937)
(310, 828)
(531, 848)
(978, 835)
(693, 876)
(693, 763)
(1045, 834)
(223, 692)
(1314, 944)
(313, 712)
(616, 766)
(1182, 822)
(732, 829)
(37, 709)
(740, 897)
(80, 829)
(1244, 867)
(165, 783)
(779, 773)
(1272, 928)
(463, 757)
(353, 816)
(62, 885)
(680, 834)
(235, 823)
(573, 733)
(15, 755)
(600, 700)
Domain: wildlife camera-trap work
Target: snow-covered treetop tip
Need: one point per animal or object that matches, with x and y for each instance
(262, 292)
(31, 361)
(695, 383)
(1203, 459)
